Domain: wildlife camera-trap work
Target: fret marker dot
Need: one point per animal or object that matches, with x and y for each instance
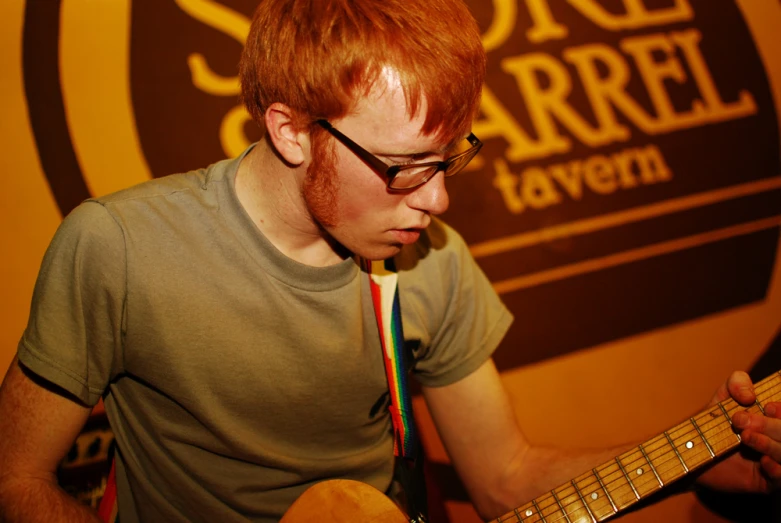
(594, 495)
(689, 444)
(529, 512)
(640, 472)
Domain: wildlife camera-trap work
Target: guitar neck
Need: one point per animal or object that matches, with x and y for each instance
(612, 487)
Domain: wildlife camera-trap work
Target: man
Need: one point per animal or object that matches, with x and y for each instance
(225, 322)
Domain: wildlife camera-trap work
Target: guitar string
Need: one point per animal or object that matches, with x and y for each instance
(651, 448)
(630, 466)
(585, 488)
(770, 385)
(579, 504)
(616, 475)
(609, 479)
(635, 452)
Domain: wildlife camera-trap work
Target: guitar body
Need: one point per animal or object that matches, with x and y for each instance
(343, 500)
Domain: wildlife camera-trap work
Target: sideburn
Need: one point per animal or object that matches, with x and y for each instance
(320, 183)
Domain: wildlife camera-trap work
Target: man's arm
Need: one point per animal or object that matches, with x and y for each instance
(498, 466)
(502, 470)
(37, 428)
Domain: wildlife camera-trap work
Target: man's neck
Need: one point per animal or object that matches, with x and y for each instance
(270, 192)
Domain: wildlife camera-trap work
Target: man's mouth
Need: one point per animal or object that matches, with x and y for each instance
(407, 236)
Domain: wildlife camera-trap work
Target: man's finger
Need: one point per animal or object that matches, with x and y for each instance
(740, 387)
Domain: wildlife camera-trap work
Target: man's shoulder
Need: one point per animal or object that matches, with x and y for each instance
(166, 186)
(156, 187)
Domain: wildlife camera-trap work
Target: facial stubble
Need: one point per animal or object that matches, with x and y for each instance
(321, 183)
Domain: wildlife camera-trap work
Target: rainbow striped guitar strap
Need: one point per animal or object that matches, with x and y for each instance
(383, 280)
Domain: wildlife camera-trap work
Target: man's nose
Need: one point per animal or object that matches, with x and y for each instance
(432, 196)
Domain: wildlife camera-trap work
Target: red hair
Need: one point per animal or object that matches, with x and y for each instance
(319, 56)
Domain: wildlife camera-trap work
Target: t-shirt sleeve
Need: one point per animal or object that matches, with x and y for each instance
(74, 334)
(451, 313)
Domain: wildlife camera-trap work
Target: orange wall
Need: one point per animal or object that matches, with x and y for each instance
(612, 391)
(29, 215)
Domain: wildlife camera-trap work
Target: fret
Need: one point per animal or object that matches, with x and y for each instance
(609, 497)
(769, 391)
(653, 469)
(729, 420)
(702, 436)
(522, 513)
(561, 507)
(571, 502)
(635, 466)
(732, 407)
(537, 508)
(662, 455)
(628, 479)
(717, 430)
(680, 458)
(583, 500)
(597, 502)
(620, 489)
(606, 490)
(687, 437)
(724, 411)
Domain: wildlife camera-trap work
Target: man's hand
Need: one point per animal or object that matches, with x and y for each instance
(758, 467)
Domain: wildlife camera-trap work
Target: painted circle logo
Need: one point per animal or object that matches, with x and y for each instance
(629, 181)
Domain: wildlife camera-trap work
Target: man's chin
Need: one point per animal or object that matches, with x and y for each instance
(377, 253)
(366, 250)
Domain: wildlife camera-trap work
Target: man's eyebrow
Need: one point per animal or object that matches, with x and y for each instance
(411, 156)
(416, 155)
(442, 150)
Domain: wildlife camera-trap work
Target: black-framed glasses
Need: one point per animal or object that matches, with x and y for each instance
(409, 176)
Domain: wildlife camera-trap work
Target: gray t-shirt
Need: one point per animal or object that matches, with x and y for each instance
(234, 377)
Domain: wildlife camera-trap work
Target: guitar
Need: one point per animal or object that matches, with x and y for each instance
(596, 495)
(343, 501)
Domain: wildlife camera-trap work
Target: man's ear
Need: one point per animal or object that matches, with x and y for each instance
(291, 142)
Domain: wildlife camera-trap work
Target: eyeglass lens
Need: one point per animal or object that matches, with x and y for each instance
(412, 176)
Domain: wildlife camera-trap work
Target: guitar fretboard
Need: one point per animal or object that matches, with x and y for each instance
(615, 485)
